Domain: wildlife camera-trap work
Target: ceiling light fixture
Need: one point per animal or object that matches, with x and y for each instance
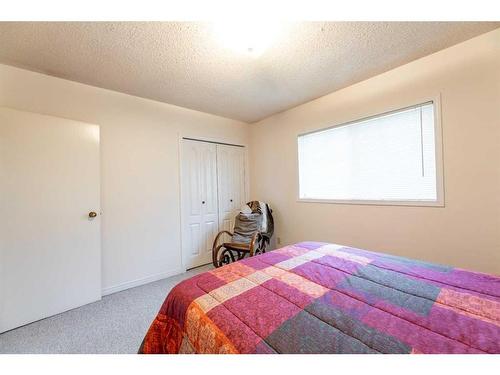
(248, 37)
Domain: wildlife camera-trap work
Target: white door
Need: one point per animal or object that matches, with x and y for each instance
(49, 247)
(199, 201)
(231, 183)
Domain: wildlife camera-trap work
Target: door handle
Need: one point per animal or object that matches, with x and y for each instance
(230, 200)
(92, 214)
(202, 202)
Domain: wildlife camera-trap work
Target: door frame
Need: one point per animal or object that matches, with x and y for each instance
(223, 141)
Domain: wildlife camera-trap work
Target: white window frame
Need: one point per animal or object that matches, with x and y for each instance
(439, 202)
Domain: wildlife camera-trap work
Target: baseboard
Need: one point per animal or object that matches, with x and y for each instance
(141, 281)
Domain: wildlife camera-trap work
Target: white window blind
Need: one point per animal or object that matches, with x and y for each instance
(390, 157)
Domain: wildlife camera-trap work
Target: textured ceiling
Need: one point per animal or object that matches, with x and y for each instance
(181, 63)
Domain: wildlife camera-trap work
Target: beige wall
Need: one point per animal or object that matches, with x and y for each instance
(139, 166)
(466, 232)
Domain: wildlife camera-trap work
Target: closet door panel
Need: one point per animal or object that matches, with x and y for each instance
(213, 191)
(240, 188)
(199, 201)
(194, 238)
(191, 200)
(209, 199)
(231, 182)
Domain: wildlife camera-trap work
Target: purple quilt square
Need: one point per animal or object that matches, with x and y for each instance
(255, 262)
(272, 258)
(345, 265)
(310, 245)
(320, 274)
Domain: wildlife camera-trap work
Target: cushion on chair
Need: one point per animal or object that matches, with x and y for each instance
(245, 226)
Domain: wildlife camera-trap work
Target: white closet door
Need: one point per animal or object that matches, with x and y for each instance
(199, 201)
(50, 256)
(231, 184)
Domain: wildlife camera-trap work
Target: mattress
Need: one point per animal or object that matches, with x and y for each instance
(315, 297)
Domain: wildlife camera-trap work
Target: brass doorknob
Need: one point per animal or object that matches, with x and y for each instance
(92, 214)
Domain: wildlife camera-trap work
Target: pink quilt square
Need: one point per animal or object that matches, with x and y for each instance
(209, 282)
(241, 269)
(225, 273)
(243, 338)
(293, 251)
(262, 310)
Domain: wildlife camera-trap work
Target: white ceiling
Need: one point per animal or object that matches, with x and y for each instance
(181, 63)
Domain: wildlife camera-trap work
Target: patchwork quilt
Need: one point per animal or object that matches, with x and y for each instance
(323, 298)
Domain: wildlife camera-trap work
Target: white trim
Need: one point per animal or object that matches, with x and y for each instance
(181, 217)
(438, 139)
(439, 144)
(141, 281)
(375, 202)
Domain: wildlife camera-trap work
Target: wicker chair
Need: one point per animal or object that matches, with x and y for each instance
(250, 237)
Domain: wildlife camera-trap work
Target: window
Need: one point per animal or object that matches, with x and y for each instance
(389, 158)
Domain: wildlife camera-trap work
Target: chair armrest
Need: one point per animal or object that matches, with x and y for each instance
(253, 242)
(218, 236)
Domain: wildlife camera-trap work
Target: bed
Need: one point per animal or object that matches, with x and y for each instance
(316, 297)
